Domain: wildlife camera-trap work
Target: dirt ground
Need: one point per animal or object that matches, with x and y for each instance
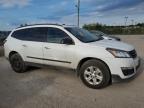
(58, 88)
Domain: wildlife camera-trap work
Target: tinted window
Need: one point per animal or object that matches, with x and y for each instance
(31, 34)
(55, 35)
(20, 34)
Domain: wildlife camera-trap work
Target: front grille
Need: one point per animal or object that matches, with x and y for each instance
(133, 53)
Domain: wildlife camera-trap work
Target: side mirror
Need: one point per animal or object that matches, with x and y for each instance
(67, 41)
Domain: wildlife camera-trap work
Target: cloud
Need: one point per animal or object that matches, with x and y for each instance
(13, 3)
(64, 11)
(119, 4)
(108, 5)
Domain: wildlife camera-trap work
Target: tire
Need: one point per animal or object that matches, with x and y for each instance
(95, 74)
(17, 63)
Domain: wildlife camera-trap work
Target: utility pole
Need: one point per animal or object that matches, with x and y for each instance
(132, 22)
(78, 13)
(126, 18)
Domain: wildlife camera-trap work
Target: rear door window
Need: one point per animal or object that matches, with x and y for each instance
(38, 34)
(19, 34)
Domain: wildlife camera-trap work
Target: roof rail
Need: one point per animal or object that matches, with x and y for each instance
(27, 25)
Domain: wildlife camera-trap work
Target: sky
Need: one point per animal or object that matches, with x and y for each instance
(110, 12)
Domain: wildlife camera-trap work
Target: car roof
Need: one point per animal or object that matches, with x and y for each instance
(35, 25)
(42, 25)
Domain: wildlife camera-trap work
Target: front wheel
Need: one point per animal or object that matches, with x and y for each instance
(17, 63)
(95, 74)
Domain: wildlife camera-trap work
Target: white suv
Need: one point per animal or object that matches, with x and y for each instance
(95, 60)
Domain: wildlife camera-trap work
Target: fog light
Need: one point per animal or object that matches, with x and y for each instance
(127, 70)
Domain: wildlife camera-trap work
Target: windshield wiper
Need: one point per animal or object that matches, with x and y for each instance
(94, 40)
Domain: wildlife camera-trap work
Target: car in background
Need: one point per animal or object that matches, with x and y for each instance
(105, 36)
(1, 40)
(3, 36)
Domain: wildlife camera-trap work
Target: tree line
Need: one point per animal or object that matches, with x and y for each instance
(130, 29)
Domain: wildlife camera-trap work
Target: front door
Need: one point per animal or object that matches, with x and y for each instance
(55, 53)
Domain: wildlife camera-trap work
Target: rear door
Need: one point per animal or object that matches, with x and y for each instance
(33, 44)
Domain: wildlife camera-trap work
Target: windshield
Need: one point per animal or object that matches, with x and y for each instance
(98, 33)
(95, 33)
(102, 33)
(82, 34)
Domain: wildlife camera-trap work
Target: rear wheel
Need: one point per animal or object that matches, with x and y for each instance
(17, 63)
(95, 74)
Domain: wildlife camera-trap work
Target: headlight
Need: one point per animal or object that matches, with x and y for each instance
(118, 53)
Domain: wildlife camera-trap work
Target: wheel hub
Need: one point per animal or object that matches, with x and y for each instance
(93, 75)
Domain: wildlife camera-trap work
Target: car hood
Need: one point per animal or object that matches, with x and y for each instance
(113, 44)
(109, 38)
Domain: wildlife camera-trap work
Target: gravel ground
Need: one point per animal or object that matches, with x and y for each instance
(59, 88)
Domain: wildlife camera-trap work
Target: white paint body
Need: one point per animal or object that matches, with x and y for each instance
(71, 53)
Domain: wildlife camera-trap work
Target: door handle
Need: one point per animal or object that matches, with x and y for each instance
(47, 48)
(24, 45)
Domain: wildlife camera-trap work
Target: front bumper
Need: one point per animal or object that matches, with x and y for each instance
(124, 67)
